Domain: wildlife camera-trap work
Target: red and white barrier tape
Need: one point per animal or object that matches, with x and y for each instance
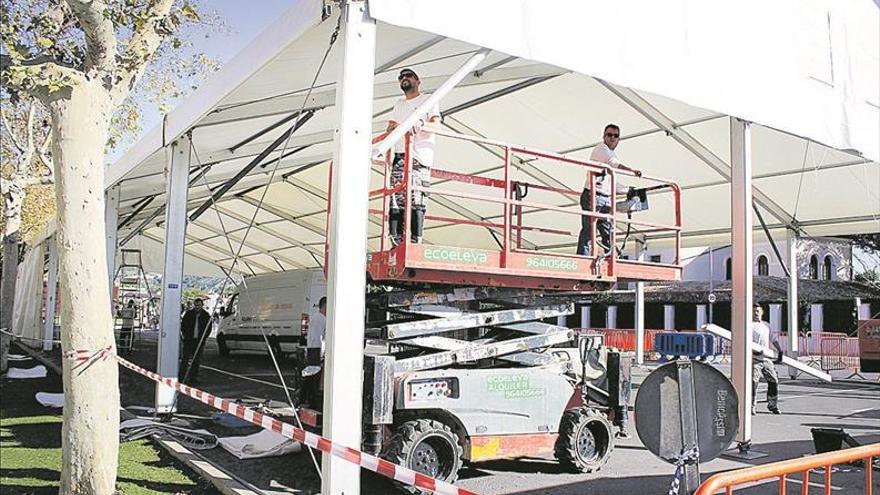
(85, 358)
(398, 473)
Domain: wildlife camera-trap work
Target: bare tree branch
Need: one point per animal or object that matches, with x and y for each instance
(99, 33)
(43, 153)
(12, 137)
(29, 135)
(143, 44)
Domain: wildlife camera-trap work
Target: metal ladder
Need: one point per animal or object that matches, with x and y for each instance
(131, 280)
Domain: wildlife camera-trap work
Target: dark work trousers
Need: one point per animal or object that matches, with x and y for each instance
(585, 239)
(189, 353)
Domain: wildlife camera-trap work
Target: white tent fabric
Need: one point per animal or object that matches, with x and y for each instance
(26, 312)
(778, 63)
(532, 93)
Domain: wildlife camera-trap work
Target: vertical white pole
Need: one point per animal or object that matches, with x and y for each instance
(176, 176)
(639, 308)
(611, 317)
(793, 274)
(111, 218)
(51, 293)
(346, 276)
(741, 298)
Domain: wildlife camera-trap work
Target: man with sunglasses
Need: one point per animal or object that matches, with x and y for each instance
(422, 150)
(603, 153)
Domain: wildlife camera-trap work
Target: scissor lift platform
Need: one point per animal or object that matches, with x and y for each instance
(469, 266)
(513, 265)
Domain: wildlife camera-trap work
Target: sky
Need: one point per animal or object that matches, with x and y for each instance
(244, 20)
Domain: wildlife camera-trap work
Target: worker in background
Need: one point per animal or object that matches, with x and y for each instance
(422, 150)
(195, 323)
(126, 331)
(603, 153)
(763, 366)
(315, 354)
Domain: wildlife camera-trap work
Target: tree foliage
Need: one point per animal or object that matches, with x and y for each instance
(83, 59)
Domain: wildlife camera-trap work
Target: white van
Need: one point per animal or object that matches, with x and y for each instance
(279, 304)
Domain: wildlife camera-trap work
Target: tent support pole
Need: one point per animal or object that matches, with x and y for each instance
(742, 295)
(770, 239)
(111, 218)
(177, 170)
(161, 210)
(346, 263)
(52, 292)
(639, 306)
(793, 317)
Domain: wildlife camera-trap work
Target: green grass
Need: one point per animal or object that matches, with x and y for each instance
(31, 461)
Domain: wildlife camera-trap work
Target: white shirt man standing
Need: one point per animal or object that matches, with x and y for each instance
(315, 337)
(422, 158)
(312, 376)
(603, 153)
(761, 365)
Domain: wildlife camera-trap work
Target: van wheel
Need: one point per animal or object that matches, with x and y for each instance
(585, 440)
(221, 345)
(426, 446)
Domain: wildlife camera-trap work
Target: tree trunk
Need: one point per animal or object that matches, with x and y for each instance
(90, 439)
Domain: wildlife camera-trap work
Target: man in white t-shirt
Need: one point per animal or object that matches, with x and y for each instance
(422, 150)
(763, 366)
(315, 337)
(311, 385)
(603, 153)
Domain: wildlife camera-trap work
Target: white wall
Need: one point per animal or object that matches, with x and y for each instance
(698, 267)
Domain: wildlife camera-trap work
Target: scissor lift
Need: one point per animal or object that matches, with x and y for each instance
(465, 367)
(456, 375)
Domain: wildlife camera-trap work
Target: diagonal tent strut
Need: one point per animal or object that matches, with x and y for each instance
(217, 194)
(690, 143)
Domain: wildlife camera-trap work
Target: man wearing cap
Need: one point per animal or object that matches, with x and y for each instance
(422, 150)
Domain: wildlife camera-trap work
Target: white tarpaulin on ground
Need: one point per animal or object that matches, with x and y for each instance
(27, 311)
(779, 63)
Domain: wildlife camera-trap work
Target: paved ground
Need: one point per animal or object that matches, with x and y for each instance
(852, 405)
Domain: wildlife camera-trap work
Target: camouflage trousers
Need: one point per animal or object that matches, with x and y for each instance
(421, 176)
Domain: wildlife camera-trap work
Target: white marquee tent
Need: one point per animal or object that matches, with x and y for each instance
(807, 73)
(681, 78)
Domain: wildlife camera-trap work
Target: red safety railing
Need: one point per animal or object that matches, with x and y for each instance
(727, 482)
(512, 224)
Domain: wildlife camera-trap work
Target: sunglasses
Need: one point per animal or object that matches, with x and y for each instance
(610, 135)
(406, 74)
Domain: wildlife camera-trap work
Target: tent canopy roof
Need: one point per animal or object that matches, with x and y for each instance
(523, 93)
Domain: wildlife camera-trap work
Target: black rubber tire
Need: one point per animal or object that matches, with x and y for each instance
(585, 440)
(427, 446)
(221, 345)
